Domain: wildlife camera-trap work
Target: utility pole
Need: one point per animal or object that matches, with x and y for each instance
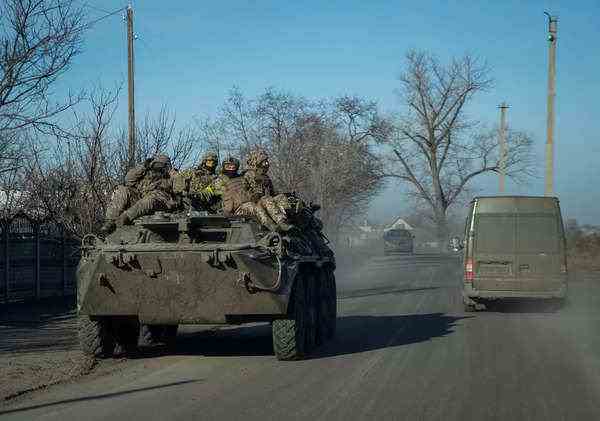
(130, 90)
(552, 29)
(503, 149)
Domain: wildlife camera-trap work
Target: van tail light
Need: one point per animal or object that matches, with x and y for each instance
(469, 274)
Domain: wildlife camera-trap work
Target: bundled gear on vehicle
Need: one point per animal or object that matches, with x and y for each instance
(147, 188)
(190, 184)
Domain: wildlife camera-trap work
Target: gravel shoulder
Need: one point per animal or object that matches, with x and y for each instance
(38, 346)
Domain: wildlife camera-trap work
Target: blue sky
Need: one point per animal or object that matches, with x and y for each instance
(190, 53)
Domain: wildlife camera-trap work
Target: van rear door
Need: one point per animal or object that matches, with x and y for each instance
(539, 251)
(494, 254)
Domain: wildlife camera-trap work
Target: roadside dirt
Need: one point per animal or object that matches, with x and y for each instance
(38, 347)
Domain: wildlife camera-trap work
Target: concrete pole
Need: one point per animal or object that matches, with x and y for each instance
(503, 147)
(552, 36)
(130, 90)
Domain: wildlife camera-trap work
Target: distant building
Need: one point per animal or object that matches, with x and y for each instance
(399, 223)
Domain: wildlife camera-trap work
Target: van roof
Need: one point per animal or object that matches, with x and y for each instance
(515, 197)
(516, 204)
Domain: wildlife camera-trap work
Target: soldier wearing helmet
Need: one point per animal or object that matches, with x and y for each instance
(256, 180)
(147, 188)
(190, 184)
(266, 205)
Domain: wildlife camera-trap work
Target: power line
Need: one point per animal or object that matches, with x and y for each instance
(95, 21)
(86, 4)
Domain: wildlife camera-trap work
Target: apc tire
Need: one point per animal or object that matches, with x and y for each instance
(155, 334)
(169, 336)
(151, 334)
(292, 335)
(96, 337)
(127, 333)
(469, 308)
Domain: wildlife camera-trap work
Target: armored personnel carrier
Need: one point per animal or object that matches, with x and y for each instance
(171, 269)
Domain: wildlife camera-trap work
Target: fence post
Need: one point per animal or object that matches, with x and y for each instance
(36, 233)
(5, 251)
(64, 260)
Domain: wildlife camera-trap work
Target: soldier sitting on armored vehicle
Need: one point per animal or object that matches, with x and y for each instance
(189, 185)
(147, 188)
(262, 195)
(236, 199)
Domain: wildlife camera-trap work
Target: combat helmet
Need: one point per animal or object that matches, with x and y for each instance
(161, 162)
(209, 156)
(230, 166)
(257, 159)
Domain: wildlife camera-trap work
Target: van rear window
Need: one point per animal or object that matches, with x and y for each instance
(495, 234)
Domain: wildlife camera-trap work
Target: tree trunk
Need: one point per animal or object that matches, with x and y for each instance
(442, 235)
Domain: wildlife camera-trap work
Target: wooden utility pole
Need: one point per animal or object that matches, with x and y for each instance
(552, 29)
(130, 83)
(503, 149)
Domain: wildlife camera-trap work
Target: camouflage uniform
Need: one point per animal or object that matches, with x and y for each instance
(268, 207)
(236, 198)
(190, 184)
(147, 188)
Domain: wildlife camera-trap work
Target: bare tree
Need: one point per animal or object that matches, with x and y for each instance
(72, 179)
(320, 149)
(160, 133)
(436, 148)
(38, 41)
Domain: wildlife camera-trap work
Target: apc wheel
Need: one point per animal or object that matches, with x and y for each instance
(294, 337)
(169, 336)
(327, 300)
(96, 337)
(469, 308)
(127, 333)
(155, 334)
(151, 334)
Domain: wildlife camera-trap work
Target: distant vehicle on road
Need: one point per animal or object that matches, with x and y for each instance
(514, 248)
(398, 240)
(455, 245)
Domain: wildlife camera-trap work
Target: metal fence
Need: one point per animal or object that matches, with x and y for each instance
(37, 260)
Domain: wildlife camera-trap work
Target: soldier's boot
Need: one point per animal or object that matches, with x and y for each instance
(108, 226)
(123, 219)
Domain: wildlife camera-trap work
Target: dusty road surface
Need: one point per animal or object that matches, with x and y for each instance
(405, 350)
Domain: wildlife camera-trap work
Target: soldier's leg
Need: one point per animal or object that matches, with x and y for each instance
(146, 205)
(256, 210)
(121, 199)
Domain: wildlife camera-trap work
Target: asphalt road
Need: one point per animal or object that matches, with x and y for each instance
(404, 351)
